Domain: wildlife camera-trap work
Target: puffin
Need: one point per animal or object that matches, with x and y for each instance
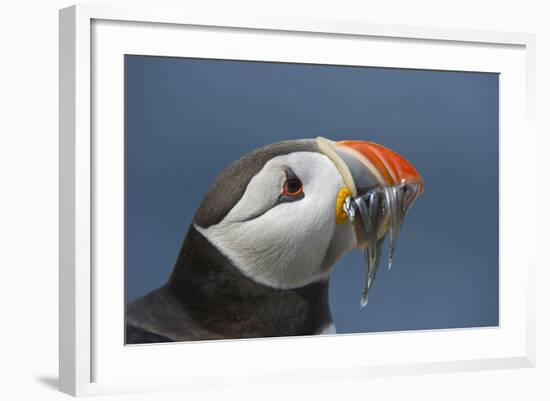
(257, 256)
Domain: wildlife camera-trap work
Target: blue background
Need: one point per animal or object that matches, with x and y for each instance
(186, 119)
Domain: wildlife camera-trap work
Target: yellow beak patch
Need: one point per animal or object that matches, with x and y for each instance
(341, 216)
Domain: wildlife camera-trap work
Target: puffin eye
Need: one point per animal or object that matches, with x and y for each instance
(292, 187)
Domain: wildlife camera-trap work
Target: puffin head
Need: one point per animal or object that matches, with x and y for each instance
(285, 213)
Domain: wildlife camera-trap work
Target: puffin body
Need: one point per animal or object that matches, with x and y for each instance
(256, 259)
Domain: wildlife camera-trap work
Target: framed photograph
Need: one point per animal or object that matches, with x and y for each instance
(271, 200)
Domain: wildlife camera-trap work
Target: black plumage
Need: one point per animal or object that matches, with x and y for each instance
(206, 298)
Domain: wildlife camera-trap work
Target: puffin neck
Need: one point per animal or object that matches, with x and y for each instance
(222, 300)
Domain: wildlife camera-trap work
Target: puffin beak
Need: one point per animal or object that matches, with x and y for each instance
(386, 166)
(381, 186)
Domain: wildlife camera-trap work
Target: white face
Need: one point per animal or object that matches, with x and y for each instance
(291, 241)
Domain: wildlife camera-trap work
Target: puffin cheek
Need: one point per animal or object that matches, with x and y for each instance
(343, 241)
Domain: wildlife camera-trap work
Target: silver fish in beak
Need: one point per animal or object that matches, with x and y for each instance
(381, 186)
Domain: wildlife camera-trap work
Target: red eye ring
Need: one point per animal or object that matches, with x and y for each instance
(292, 186)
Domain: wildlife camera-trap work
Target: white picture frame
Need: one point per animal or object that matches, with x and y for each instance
(91, 364)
